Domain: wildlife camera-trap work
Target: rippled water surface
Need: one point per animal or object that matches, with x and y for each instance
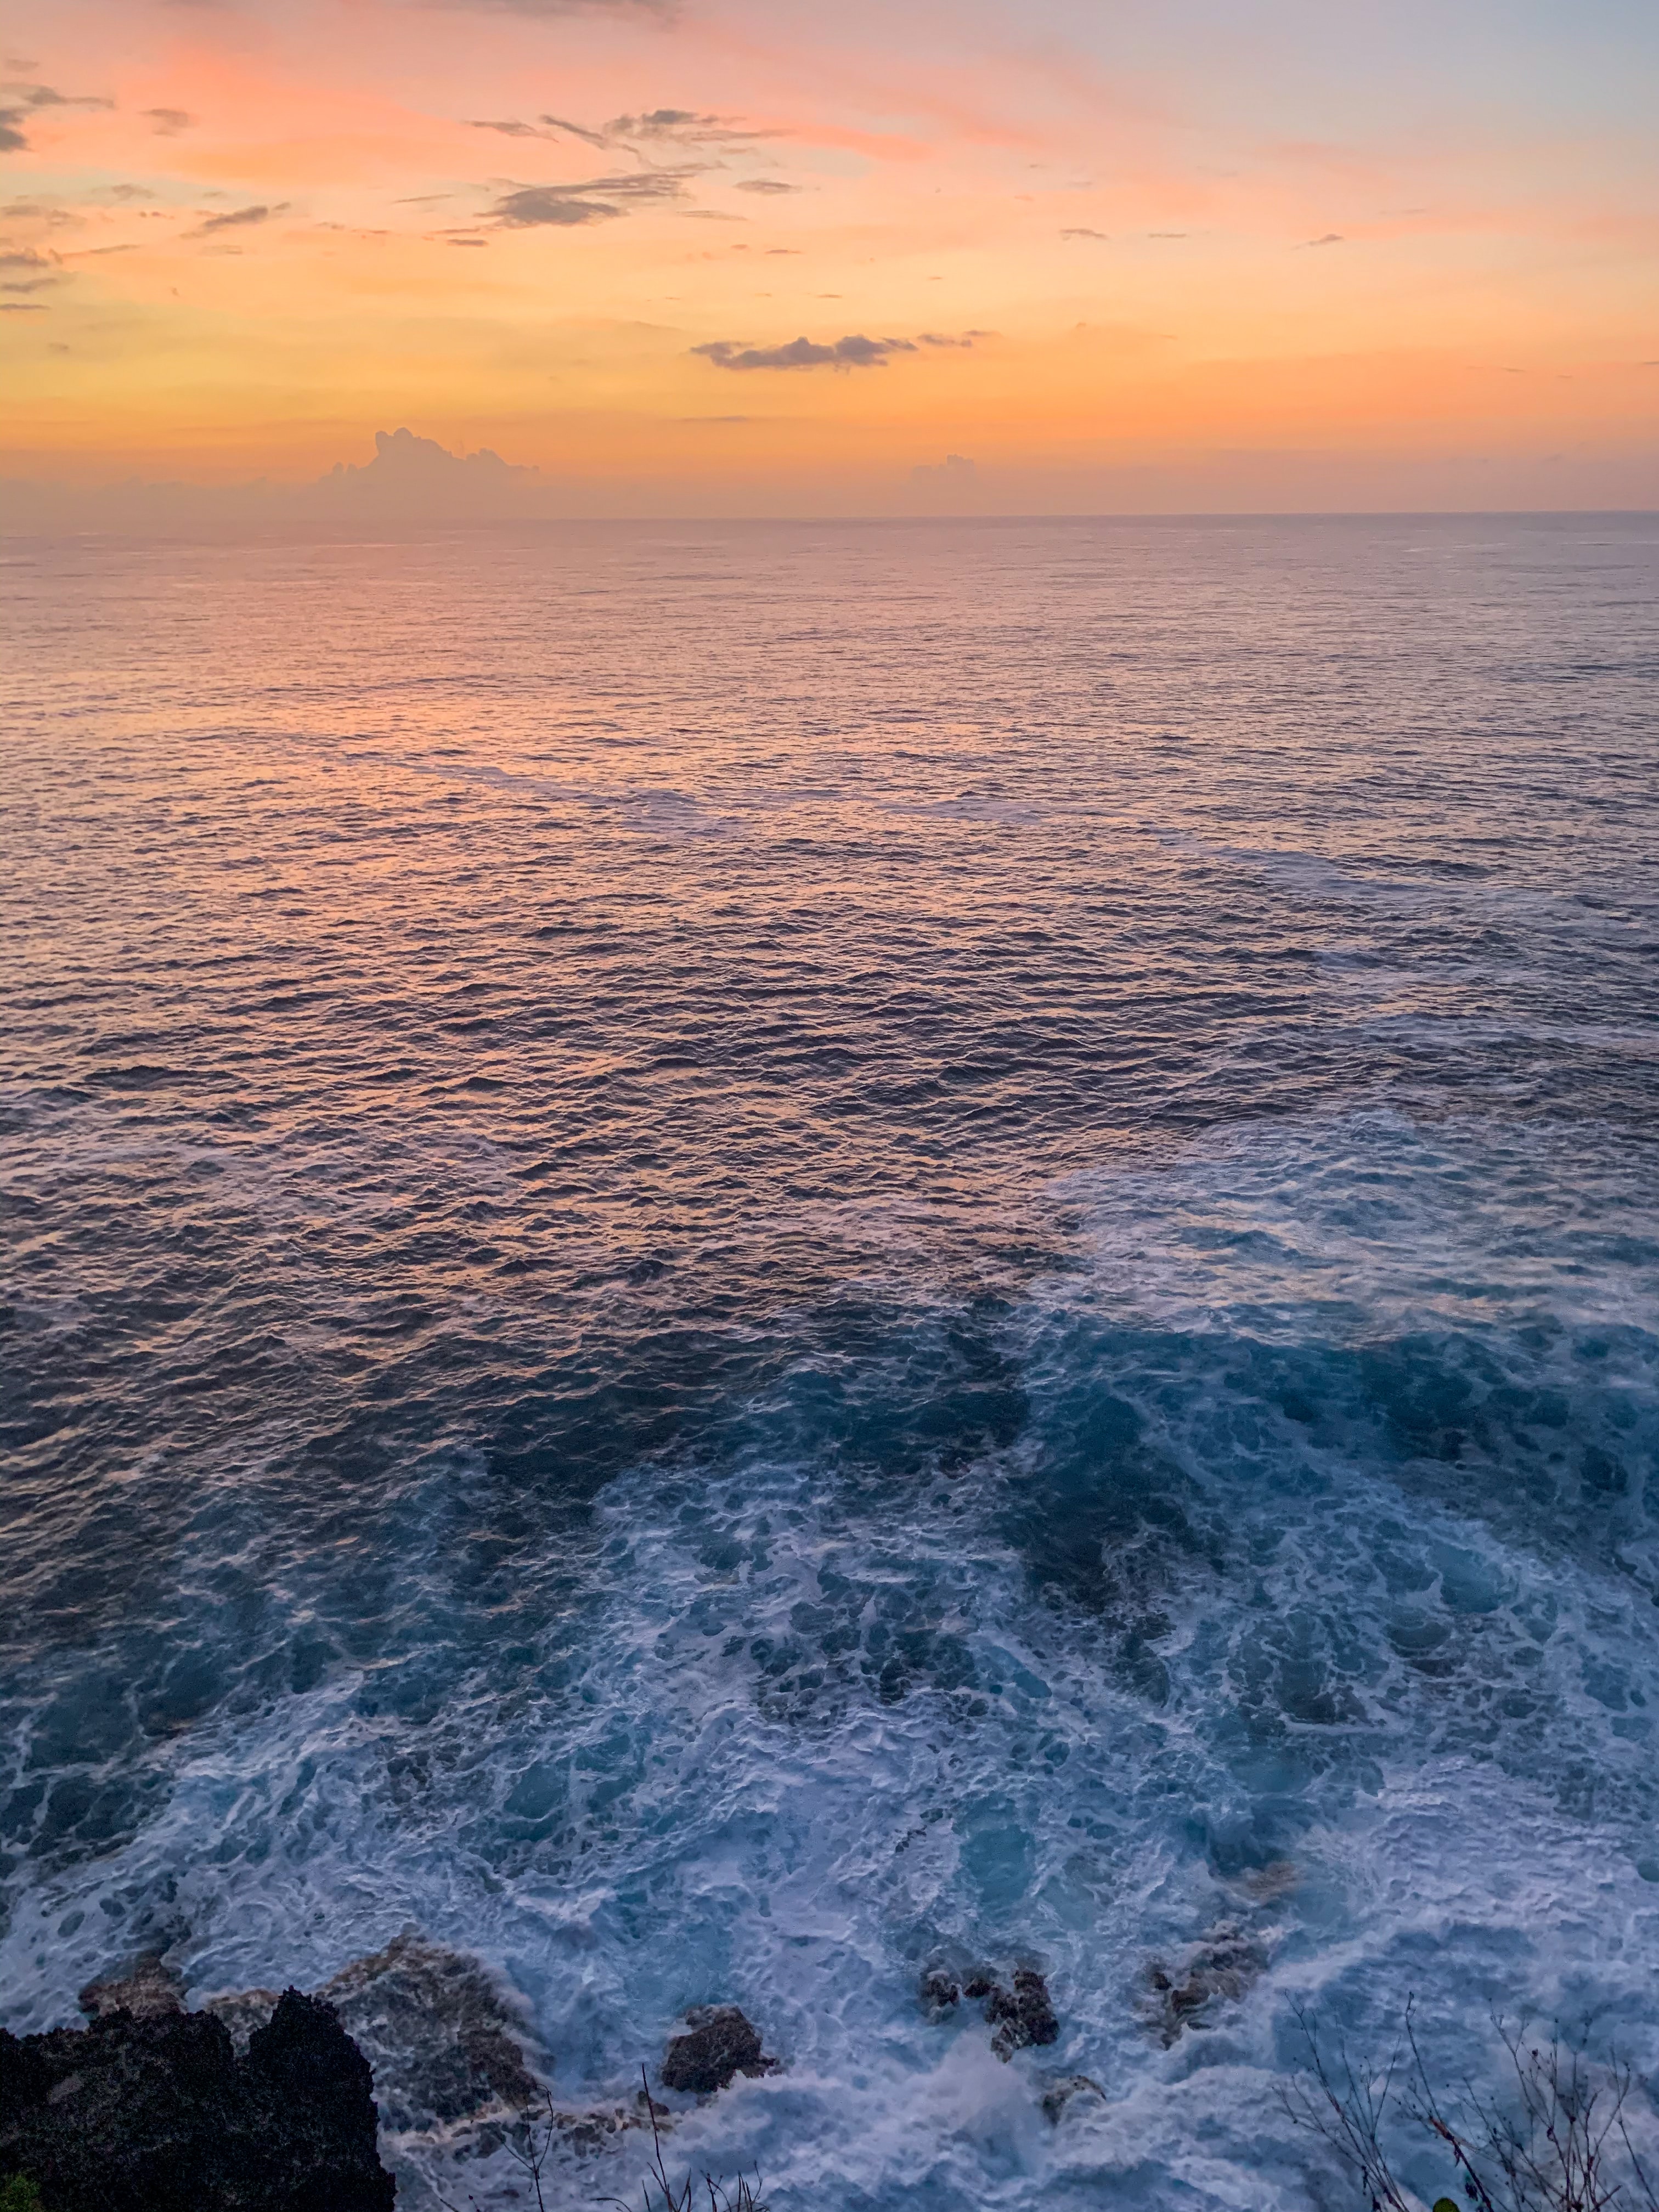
(739, 1255)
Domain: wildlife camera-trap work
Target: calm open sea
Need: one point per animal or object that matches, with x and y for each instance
(738, 1254)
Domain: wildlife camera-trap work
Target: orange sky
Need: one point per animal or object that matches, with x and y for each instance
(1181, 255)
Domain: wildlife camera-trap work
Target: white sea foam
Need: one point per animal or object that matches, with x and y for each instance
(1371, 1682)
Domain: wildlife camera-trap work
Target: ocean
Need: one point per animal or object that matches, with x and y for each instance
(740, 1257)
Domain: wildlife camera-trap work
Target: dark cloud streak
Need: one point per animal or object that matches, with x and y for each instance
(238, 219)
(854, 351)
(599, 199)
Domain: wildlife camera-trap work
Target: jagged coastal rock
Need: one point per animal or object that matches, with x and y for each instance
(719, 2044)
(157, 2112)
(1220, 1967)
(266, 2102)
(441, 2034)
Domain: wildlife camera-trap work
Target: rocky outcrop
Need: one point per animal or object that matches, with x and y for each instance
(149, 1989)
(1020, 2011)
(1220, 1966)
(440, 2033)
(719, 2044)
(158, 2114)
(1022, 2015)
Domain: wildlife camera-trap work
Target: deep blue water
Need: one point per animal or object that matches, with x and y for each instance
(737, 1253)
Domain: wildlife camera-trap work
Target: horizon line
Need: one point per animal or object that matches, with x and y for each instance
(344, 525)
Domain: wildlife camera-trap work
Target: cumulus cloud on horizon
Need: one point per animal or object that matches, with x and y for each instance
(955, 470)
(409, 477)
(401, 456)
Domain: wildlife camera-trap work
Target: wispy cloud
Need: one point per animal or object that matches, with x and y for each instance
(19, 102)
(576, 129)
(1331, 238)
(168, 122)
(238, 219)
(682, 126)
(598, 199)
(770, 185)
(1078, 231)
(686, 129)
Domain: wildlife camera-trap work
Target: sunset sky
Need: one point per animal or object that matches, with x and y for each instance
(751, 256)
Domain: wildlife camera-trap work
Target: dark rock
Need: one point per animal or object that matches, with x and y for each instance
(1023, 2017)
(938, 1993)
(159, 2115)
(1060, 2092)
(439, 2031)
(719, 2045)
(146, 1989)
(1220, 1967)
(441, 2034)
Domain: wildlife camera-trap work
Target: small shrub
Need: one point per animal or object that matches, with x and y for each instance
(1558, 2143)
(659, 2191)
(531, 2147)
(19, 2194)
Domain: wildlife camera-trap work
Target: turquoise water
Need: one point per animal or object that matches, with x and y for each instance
(739, 1255)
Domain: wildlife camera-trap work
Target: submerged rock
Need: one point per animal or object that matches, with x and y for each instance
(720, 2043)
(1021, 2015)
(158, 2114)
(595, 2127)
(1221, 1966)
(1061, 2092)
(439, 2031)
